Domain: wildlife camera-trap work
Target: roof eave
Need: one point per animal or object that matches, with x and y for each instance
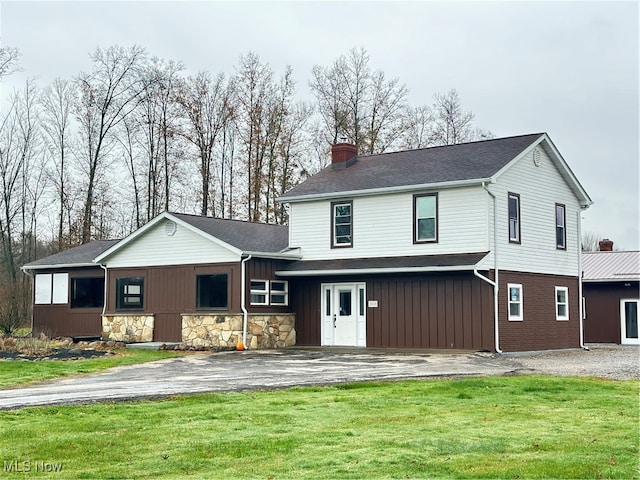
(368, 271)
(382, 190)
(24, 268)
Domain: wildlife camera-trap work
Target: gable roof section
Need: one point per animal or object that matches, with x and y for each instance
(235, 235)
(445, 166)
(610, 266)
(81, 256)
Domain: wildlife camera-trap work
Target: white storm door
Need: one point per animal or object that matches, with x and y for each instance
(343, 319)
(629, 321)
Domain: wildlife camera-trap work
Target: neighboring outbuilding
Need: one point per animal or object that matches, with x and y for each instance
(469, 246)
(611, 290)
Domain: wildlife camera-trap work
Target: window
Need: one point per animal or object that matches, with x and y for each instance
(342, 224)
(561, 231)
(43, 288)
(87, 292)
(259, 292)
(425, 218)
(212, 291)
(514, 218)
(129, 293)
(279, 292)
(51, 288)
(515, 301)
(562, 303)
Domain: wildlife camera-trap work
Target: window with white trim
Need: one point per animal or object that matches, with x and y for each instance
(514, 302)
(51, 288)
(259, 292)
(274, 292)
(562, 303)
(279, 292)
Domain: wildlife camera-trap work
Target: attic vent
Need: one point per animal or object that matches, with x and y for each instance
(537, 157)
(170, 228)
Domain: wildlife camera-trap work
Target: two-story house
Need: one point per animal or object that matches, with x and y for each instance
(469, 246)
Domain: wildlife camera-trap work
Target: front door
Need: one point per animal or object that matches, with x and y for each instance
(629, 321)
(343, 314)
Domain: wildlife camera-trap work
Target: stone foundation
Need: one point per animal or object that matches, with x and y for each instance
(225, 331)
(128, 328)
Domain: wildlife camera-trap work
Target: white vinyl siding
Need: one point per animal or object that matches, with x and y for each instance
(383, 225)
(540, 189)
(185, 246)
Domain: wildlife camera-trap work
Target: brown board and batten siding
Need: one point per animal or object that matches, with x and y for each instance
(602, 309)
(538, 329)
(60, 320)
(264, 269)
(170, 291)
(452, 310)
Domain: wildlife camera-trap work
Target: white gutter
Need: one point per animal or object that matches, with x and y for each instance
(581, 311)
(355, 271)
(25, 268)
(243, 306)
(493, 282)
(106, 283)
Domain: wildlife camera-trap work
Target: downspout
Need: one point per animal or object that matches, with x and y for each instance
(243, 306)
(494, 283)
(580, 309)
(106, 283)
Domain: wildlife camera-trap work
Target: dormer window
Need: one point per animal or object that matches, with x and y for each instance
(341, 224)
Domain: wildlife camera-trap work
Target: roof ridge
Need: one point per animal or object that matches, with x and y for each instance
(485, 140)
(252, 222)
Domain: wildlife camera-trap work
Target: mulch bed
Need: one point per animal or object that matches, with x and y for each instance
(57, 354)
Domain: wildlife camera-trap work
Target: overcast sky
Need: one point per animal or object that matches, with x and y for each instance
(566, 68)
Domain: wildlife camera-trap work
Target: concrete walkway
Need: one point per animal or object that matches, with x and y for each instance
(252, 370)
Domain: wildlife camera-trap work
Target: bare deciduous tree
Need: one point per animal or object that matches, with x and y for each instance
(107, 94)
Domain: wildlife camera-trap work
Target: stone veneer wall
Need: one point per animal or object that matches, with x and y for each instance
(128, 328)
(225, 331)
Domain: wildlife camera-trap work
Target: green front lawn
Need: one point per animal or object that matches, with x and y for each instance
(19, 372)
(497, 427)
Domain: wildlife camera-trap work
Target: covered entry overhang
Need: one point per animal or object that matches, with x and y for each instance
(433, 301)
(380, 265)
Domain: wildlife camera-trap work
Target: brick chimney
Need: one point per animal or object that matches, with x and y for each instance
(605, 245)
(343, 155)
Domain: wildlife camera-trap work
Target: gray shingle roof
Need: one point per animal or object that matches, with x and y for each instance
(78, 256)
(452, 163)
(349, 265)
(245, 236)
(611, 266)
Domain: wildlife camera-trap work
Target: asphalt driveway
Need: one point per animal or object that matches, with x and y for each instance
(270, 369)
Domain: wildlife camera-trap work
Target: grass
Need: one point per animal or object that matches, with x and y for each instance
(498, 427)
(17, 373)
